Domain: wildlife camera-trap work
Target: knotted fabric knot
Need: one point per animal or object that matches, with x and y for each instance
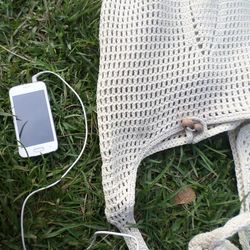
(192, 126)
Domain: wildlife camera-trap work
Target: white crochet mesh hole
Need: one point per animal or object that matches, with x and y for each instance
(162, 61)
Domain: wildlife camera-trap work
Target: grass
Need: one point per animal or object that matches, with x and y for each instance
(63, 36)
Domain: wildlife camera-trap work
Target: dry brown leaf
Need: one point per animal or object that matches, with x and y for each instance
(186, 196)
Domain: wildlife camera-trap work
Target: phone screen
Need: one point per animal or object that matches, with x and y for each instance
(32, 118)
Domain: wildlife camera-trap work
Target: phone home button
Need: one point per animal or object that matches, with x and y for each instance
(38, 149)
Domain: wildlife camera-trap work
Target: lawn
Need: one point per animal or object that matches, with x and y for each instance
(62, 36)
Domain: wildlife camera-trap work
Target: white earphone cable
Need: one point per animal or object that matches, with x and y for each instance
(115, 234)
(34, 80)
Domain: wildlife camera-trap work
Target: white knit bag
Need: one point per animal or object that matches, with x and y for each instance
(163, 61)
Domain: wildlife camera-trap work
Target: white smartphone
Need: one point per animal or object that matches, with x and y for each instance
(33, 121)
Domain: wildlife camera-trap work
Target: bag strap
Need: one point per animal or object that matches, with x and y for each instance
(217, 239)
(240, 144)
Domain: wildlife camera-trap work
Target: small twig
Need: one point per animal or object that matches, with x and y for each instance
(14, 54)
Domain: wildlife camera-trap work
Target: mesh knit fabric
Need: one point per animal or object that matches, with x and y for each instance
(162, 61)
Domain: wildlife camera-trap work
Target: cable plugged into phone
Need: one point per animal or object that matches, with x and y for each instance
(35, 80)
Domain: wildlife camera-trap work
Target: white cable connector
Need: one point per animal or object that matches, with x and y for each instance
(34, 80)
(115, 234)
